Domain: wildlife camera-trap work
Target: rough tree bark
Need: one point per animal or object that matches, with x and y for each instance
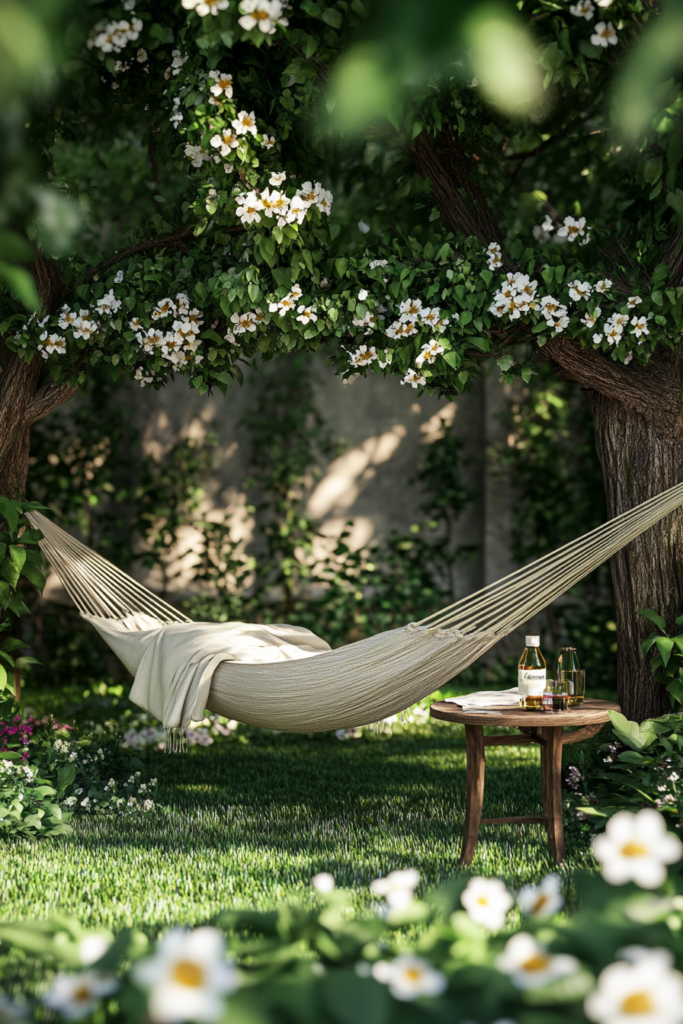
(638, 417)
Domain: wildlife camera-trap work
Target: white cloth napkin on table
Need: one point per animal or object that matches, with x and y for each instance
(487, 699)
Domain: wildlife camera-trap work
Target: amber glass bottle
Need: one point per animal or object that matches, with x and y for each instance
(531, 675)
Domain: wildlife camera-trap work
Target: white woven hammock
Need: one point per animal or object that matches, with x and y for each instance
(374, 678)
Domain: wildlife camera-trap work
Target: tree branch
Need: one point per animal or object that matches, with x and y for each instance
(650, 390)
(461, 202)
(47, 398)
(553, 138)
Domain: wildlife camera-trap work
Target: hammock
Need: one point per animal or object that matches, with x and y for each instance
(370, 679)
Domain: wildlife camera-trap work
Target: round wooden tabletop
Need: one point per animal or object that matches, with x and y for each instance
(590, 712)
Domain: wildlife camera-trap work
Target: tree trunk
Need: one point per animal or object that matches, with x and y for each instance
(14, 467)
(638, 462)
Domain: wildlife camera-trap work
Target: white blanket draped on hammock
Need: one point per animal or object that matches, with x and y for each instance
(173, 664)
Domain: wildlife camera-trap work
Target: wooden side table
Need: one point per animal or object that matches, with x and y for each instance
(540, 727)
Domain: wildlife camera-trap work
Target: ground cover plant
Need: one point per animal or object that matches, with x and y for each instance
(613, 961)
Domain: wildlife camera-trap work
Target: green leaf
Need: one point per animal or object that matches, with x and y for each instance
(633, 735)
(647, 613)
(341, 264)
(10, 512)
(21, 284)
(14, 248)
(480, 343)
(332, 17)
(665, 646)
(18, 556)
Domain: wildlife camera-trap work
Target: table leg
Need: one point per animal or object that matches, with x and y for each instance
(476, 764)
(551, 780)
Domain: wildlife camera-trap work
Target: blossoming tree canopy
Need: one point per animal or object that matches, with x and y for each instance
(245, 177)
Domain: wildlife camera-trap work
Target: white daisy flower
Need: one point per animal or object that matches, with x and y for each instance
(612, 333)
(175, 118)
(204, 7)
(589, 319)
(603, 285)
(268, 141)
(108, 304)
(348, 381)
(226, 140)
(245, 123)
(639, 326)
(267, 14)
(429, 352)
(308, 193)
(377, 263)
(604, 35)
(647, 990)
(278, 178)
(495, 262)
(542, 900)
(572, 229)
(163, 309)
(634, 300)
(493, 249)
(636, 847)
(83, 327)
(222, 84)
(324, 201)
(178, 60)
(363, 356)
(248, 208)
(306, 314)
(582, 9)
(409, 976)
(187, 977)
(530, 965)
(487, 902)
(297, 210)
(296, 291)
(67, 317)
(77, 995)
(118, 277)
(619, 320)
(410, 309)
(323, 882)
(414, 378)
(141, 55)
(579, 290)
(398, 887)
(243, 322)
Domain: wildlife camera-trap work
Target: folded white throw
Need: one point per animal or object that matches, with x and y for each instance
(487, 699)
(173, 664)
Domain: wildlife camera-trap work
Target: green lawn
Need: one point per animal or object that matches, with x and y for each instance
(249, 824)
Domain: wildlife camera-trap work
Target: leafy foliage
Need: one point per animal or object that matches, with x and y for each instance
(667, 665)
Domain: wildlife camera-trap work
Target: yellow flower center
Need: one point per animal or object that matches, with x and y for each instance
(246, 121)
(413, 974)
(82, 994)
(260, 15)
(539, 904)
(634, 850)
(538, 962)
(225, 83)
(187, 973)
(482, 901)
(637, 1002)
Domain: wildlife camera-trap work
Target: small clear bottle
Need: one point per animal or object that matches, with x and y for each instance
(569, 678)
(531, 675)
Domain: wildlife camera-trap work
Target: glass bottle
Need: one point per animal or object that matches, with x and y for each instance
(570, 677)
(531, 675)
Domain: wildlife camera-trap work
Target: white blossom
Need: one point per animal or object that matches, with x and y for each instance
(323, 882)
(636, 847)
(542, 900)
(278, 178)
(108, 304)
(589, 319)
(178, 61)
(639, 326)
(245, 123)
(187, 977)
(582, 9)
(409, 976)
(118, 277)
(398, 887)
(572, 229)
(647, 989)
(222, 84)
(530, 965)
(163, 309)
(414, 378)
(248, 211)
(603, 285)
(487, 902)
(306, 314)
(429, 352)
(141, 55)
(204, 7)
(579, 290)
(243, 322)
(77, 995)
(83, 326)
(401, 329)
(377, 263)
(267, 14)
(363, 227)
(349, 380)
(268, 141)
(226, 140)
(363, 356)
(634, 300)
(604, 34)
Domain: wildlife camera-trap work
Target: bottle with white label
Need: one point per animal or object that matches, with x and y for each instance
(531, 676)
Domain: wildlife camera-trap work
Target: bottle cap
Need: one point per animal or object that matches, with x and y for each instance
(532, 641)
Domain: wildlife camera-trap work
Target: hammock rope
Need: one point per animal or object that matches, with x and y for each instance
(372, 678)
